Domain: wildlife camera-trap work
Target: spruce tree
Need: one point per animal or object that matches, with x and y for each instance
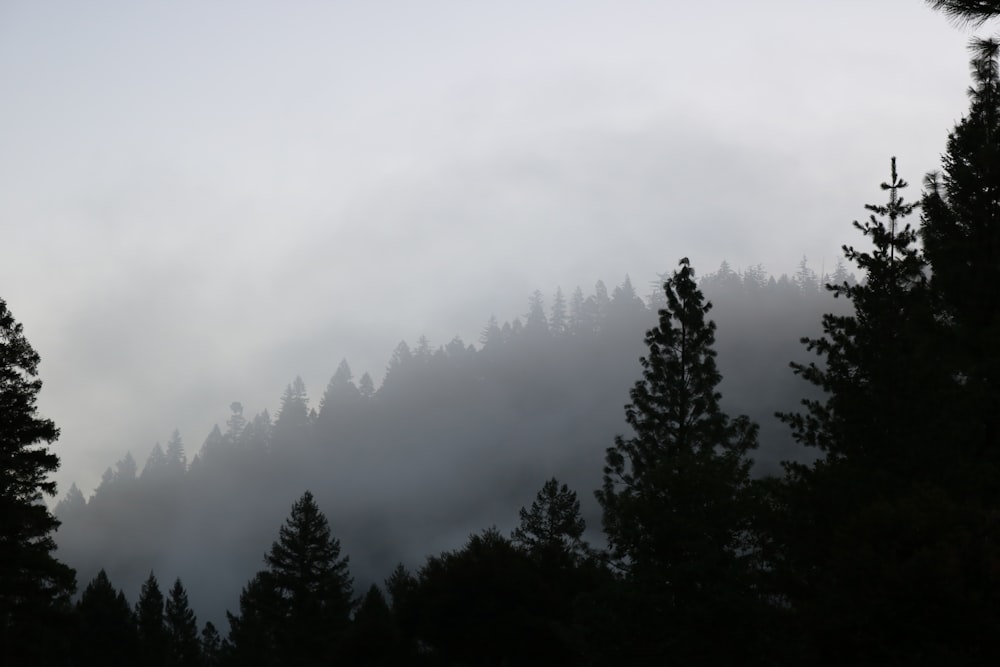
(974, 12)
(106, 632)
(153, 638)
(182, 629)
(34, 586)
(303, 596)
(675, 494)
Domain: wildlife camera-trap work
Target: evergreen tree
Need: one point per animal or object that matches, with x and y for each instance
(552, 530)
(961, 235)
(304, 595)
(107, 632)
(34, 586)
(292, 425)
(211, 646)
(253, 632)
(675, 495)
(975, 12)
(182, 629)
(870, 526)
(153, 640)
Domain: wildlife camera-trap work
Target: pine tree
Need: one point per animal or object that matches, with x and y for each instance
(151, 623)
(871, 526)
(552, 530)
(304, 595)
(107, 632)
(975, 12)
(960, 230)
(182, 629)
(675, 494)
(34, 586)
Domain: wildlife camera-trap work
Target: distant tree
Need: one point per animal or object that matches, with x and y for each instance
(292, 426)
(552, 530)
(236, 422)
(340, 394)
(535, 323)
(34, 586)
(126, 469)
(975, 12)
(182, 629)
(73, 505)
(153, 638)
(156, 464)
(366, 387)
(675, 495)
(107, 631)
(175, 456)
(558, 316)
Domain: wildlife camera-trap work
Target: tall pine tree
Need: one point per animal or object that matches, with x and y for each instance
(675, 494)
(34, 586)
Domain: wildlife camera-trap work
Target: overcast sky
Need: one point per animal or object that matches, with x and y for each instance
(201, 200)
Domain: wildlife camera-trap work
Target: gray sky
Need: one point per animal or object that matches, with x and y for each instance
(199, 201)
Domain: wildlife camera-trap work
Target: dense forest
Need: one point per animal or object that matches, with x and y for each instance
(843, 511)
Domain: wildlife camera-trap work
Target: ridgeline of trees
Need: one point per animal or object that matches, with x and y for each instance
(881, 547)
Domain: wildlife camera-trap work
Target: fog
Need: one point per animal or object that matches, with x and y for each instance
(201, 203)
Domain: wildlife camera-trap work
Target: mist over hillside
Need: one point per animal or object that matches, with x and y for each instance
(455, 438)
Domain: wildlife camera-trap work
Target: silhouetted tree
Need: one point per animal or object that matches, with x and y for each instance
(552, 530)
(304, 594)
(211, 646)
(675, 495)
(182, 629)
(153, 639)
(961, 234)
(975, 12)
(34, 586)
(107, 630)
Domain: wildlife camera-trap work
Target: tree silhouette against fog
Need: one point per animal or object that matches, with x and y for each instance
(675, 493)
(34, 586)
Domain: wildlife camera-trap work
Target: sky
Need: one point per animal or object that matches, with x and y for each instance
(200, 201)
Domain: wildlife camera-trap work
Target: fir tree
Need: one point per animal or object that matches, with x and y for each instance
(34, 586)
(552, 530)
(151, 623)
(107, 631)
(182, 629)
(675, 494)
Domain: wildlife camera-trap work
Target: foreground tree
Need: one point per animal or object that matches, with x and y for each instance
(975, 12)
(34, 587)
(961, 234)
(843, 548)
(296, 611)
(676, 493)
(182, 629)
(153, 640)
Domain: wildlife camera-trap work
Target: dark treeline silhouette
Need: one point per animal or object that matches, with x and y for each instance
(454, 438)
(877, 544)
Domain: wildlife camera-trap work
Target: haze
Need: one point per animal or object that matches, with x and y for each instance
(200, 201)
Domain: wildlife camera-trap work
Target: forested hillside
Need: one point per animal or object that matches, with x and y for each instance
(455, 438)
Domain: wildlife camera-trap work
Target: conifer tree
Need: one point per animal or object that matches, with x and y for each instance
(107, 632)
(974, 12)
(34, 586)
(151, 623)
(960, 230)
(552, 530)
(675, 493)
(182, 629)
(303, 597)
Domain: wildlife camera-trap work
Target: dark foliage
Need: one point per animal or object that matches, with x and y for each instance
(34, 586)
